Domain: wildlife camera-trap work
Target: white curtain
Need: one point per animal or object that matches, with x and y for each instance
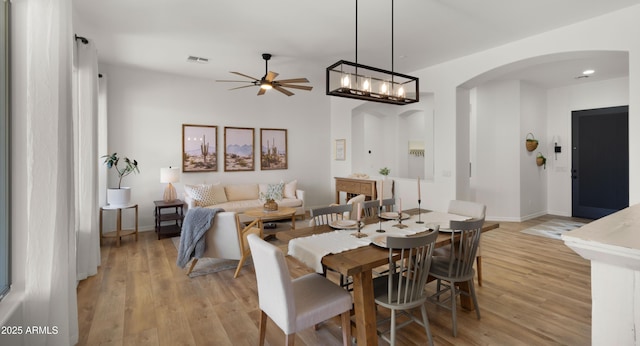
(85, 118)
(50, 273)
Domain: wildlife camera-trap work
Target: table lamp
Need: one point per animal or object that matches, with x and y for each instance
(169, 175)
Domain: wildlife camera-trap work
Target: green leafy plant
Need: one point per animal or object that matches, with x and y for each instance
(541, 160)
(384, 171)
(274, 192)
(130, 166)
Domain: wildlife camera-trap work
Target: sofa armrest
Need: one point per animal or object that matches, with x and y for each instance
(300, 196)
(189, 201)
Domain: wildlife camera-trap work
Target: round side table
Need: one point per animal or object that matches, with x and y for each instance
(118, 233)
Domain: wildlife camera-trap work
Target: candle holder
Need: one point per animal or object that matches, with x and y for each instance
(399, 224)
(419, 213)
(359, 234)
(380, 230)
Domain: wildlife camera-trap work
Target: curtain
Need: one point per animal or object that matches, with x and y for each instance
(50, 270)
(85, 117)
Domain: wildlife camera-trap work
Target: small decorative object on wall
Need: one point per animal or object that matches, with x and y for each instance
(238, 149)
(273, 151)
(541, 160)
(531, 143)
(199, 148)
(341, 148)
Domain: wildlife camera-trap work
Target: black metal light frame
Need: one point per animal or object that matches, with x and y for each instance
(376, 78)
(356, 81)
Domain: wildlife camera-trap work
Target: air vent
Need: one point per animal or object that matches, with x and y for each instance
(198, 59)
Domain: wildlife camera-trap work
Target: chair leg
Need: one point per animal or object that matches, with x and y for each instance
(244, 257)
(263, 327)
(454, 295)
(346, 328)
(193, 264)
(479, 269)
(393, 327)
(473, 296)
(425, 321)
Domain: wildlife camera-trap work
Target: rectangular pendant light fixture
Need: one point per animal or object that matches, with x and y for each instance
(356, 81)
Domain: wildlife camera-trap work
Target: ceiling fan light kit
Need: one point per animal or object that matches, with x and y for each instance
(353, 80)
(268, 82)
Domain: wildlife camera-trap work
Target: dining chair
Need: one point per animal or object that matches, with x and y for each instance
(371, 208)
(297, 304)
(473, 210)
(403, 289)
(326, 215)
(457, 267)
(353, 202)
(227, 239)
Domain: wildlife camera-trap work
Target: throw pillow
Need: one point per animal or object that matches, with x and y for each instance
(241, 192)
(290, 189)
(201, 194)
(219, 196)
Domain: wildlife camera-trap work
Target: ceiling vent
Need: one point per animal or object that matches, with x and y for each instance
(192, 58)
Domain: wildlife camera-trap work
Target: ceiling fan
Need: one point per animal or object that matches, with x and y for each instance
(268, 80)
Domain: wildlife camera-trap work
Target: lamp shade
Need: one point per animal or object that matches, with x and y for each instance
(169, 175)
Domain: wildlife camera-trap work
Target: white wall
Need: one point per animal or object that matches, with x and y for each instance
(617, 31)
(146, 111)
(561, 101)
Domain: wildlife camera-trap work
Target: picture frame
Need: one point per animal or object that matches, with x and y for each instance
(239, 149)
(273, 149)
(199, 148)
(341, 149)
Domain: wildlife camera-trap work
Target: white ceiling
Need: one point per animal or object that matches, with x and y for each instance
(306, 36)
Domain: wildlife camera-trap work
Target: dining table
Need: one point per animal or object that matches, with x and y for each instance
(359, 264)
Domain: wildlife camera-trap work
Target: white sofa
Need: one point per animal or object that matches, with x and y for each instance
(240, 197)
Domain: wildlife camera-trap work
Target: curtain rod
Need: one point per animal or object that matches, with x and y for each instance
(82, 39)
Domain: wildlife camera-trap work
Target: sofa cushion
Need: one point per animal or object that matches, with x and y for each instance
(241, 192)
(201, 194)
(290, 189)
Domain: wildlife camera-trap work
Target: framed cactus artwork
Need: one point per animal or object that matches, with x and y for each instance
(199, 148)
(238, 149)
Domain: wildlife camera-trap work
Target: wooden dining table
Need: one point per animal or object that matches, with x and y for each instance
(359, 264)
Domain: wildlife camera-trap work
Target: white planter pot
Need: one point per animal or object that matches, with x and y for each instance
(119, 197)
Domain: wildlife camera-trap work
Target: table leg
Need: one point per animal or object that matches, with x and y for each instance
(118, 226)
(293, 221)
(466, 302)
(136, 222)
(365, 310)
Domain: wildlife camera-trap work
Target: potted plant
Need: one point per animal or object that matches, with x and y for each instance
(384, 171)
(120, 196)
(273, 194)
(541, 160)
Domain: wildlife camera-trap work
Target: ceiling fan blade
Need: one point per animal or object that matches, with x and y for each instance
(261, 91)
(294, 80)
(303, 87)
(244, 75)
(284, 91)
(271, 76)
(237, 81)
(240, 87)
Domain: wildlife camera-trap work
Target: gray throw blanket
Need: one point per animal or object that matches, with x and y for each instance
(196, 223)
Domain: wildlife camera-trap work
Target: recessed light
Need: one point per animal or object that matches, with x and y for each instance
(588, 72)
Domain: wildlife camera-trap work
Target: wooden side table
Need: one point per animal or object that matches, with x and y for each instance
(118, 233)
(169, 224)
(354, 187)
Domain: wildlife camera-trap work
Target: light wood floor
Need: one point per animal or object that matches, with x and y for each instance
(536, 291)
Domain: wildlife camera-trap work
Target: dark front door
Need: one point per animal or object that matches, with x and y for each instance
(600, 161)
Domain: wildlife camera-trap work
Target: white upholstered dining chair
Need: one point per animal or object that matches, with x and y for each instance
(297, 304)
(227, 239)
